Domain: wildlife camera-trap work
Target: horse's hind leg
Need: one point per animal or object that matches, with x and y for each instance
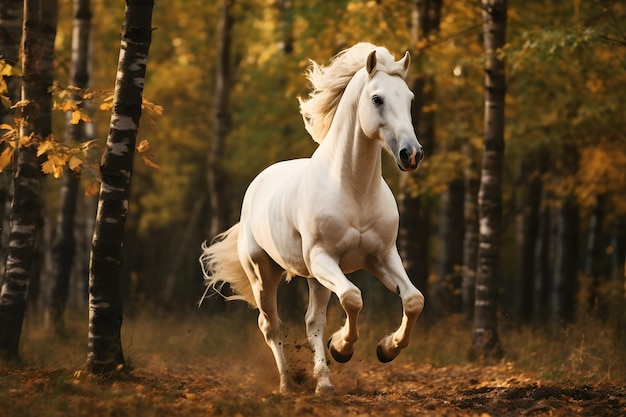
(315, 324)
(265, 275)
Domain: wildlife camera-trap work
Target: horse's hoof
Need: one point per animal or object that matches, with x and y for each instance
(336, 355)
(287, 389)
(380, 353)
(324, 389)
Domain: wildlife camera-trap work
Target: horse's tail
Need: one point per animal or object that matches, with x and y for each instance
(220, 265)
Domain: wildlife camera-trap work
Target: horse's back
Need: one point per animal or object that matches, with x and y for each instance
(267, 214)
(275, 180)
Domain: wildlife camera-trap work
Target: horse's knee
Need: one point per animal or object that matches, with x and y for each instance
(314, 320)
(271, 329)
(351, 300)
(264, 323)
(414, 304)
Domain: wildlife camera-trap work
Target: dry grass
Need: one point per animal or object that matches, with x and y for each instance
(586, 352)
(219, 365)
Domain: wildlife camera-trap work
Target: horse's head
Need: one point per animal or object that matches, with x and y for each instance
(384, 110)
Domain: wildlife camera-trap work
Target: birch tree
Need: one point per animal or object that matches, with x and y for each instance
(105, 298)
(470, 237)
(528, 198)
(25, 207)
(564, 279)
(414, 233)
(221, 121)
(11, 12)
(49, 11)
(485, 340)
(64, 245)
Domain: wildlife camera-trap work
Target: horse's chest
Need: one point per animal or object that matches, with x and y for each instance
(353, 249)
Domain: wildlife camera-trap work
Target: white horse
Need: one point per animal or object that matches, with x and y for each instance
(331, 214)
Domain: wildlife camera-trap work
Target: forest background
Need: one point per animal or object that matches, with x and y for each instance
(564, 188)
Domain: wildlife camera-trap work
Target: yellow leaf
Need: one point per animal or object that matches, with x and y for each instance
(143, 146)
(6, 69)
(85, 146)
(5, 158)
(45, 147)
(75, 163)
(6, 102)
(107, 103)
(150, 163)
(92, 189)
(75, 117)
(58, 171)
(10, 70)
(154, 108)
(21, 103)
(68, 105)
(54, 165)
(47, 167)
(25, 140)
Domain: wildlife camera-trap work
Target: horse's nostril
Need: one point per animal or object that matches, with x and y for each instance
(420, 153)
(405, 157)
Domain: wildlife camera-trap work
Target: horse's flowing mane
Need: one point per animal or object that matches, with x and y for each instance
(329, 82)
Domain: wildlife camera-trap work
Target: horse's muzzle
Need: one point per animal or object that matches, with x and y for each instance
(409, 158)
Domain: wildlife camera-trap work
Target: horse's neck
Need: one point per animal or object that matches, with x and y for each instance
(350, 156)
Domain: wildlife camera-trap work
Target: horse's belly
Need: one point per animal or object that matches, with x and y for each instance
(295, 266)
(287, 251)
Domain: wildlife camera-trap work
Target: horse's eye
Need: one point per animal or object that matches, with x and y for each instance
(378, 101)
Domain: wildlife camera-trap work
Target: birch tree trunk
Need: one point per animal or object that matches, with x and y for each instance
(542, 263)
(451, 225)
(49, 11)
(618, 279)
(470, 238)
(485, 340)
(64, 245)
(221, 122)
(565, 283)
(528, 198)
(105, 298)
(11, 12)
(414, 233)
(26, 201)
(593, 258)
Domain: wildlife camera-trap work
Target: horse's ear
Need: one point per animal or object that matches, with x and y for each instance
(371, 62)
(406, 63)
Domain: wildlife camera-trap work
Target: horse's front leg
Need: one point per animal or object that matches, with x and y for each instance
(326, 270)
(315, 324)
(392, 274)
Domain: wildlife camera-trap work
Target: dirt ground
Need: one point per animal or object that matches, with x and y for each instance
(220, 366)
(212, 387)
